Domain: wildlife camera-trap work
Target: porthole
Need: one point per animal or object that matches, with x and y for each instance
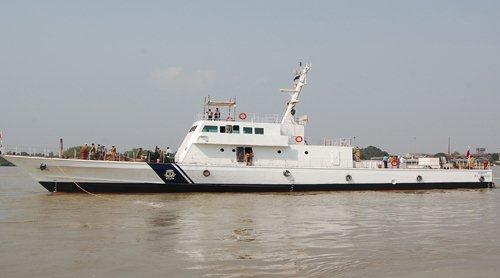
(279, 151)
(221, 150)
(233, 150)
(306, 152)
(206, 173)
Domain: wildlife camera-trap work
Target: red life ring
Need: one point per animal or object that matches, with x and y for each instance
(394, 162)
(299, 139)
(242, 116)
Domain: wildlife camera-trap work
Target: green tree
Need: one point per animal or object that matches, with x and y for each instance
(71, 152)
(371, 151)
(441, 155)
(494, 158)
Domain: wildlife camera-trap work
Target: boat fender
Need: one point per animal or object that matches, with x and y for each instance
(348, 178)
(242, 116)
(299, 139)
(286, 173)
(43, 167)
(419, 178)
(481, 179)
(206, 173)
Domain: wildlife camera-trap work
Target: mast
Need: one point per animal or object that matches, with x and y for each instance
(299, 81)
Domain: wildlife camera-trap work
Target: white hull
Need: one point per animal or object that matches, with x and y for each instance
(136, 176)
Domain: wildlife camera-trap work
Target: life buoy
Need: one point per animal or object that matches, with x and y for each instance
(299, 139)
(242, 116)
(394, 163)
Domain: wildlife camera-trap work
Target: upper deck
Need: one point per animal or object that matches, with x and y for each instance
(249, 117)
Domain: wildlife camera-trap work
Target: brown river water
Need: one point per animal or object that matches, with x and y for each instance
(432, 233)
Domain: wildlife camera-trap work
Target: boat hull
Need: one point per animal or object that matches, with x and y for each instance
(74, 175)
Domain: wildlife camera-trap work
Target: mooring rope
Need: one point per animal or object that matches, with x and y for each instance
(83, 189)
(106, 198)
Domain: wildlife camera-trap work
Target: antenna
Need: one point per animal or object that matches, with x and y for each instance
(299, 81)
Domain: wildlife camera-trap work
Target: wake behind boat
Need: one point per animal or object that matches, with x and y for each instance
(246, 152)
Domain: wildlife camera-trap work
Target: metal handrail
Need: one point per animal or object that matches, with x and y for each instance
(249, 117)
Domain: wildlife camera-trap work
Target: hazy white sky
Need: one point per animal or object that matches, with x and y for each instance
(135, 73)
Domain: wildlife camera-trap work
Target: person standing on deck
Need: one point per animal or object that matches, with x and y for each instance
(386, 160)
(84, 151)
(210, 114)
(217, 114)
(168, 153)
(98, 152)
(92, 152)
(113, 153)
(402, 162)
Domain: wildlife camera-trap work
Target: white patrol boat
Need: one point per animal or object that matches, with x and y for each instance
(245, 152)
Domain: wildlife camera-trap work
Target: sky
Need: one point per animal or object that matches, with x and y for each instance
(401, 75)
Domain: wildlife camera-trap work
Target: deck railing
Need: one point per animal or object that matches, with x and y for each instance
(246, 117)
(108, 156)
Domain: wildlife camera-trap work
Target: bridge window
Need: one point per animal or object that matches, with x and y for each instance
(222, 129)
(210, 128)
(247, 130)
(236, 129)
(259, 130)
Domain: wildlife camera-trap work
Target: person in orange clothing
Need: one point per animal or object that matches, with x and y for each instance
(84, 151)
(486, 164)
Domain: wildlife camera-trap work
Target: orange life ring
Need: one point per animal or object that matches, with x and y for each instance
(394, 162)
(299, 139)
(242, 116)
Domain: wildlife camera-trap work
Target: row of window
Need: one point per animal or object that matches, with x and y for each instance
(278, 151)
(231, 129)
